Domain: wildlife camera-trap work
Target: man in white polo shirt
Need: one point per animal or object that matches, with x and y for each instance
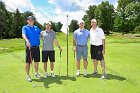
(97, 50)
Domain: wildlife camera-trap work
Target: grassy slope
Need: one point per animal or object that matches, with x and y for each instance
(122, 61)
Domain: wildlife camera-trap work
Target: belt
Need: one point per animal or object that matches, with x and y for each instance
(81, 45)
(34, 46)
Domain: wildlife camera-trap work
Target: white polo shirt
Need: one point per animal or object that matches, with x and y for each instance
(96, 36)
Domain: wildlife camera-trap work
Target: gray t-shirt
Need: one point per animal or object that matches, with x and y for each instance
(48, 39)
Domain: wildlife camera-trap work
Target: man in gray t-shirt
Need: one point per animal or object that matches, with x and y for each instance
(48, 39)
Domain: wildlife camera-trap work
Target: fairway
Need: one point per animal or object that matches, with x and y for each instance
(122, 66)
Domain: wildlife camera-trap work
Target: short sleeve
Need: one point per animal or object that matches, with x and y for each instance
(41, 34)
(39, 30)
(54, 35)
(23, 30)
(88, 33)
(74, 36)
(102, 34)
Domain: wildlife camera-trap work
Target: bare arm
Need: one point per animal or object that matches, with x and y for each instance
(103, 40)
(26, 40)
(74, 45)
(57, 44)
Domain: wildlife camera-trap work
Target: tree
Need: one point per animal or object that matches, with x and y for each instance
(128, 12)
(17, 24)
(104, 15)
(73, 25)
(12, 22)
(4, 21)
(53, 26)
(136, 30)
(58, 26)
(90, 14)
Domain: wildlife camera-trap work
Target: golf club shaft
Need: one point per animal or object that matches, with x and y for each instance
(60, 63)
(73, 63)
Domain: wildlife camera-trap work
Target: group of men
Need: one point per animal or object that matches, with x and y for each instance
(97, 47)
(32, 34)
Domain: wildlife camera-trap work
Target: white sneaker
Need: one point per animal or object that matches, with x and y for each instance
(28, 78)
(85, 73)
(52, 75)
(37, 75)
(78, 73)
(103, 77)
(45, 75)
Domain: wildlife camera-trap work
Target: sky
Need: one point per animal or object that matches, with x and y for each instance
(54, 10)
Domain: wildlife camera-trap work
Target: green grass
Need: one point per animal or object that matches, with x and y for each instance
(122, 62)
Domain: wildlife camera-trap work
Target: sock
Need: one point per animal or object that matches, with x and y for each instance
(51, 71)
(84, 70)
(78, 70)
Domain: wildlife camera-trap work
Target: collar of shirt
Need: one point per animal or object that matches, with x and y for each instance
(81, 30)
(29, 25)
(96, 29)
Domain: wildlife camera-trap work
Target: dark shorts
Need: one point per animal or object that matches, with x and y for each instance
(48, 54)
(96, 52)
(35, 54)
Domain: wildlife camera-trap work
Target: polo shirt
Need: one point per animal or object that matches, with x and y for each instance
(96, 36)
(32, 34)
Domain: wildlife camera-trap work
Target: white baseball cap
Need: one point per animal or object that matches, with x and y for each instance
(48, 23)
(93, 20)
(81, 21)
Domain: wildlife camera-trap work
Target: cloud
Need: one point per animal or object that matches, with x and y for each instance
(22, 5)
(54, 10)
(51, 1)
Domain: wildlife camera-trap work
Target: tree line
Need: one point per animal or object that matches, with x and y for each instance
(11, 22)
(124, 19)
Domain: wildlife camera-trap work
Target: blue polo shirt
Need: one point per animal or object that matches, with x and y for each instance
(81, 36)
(32, 34)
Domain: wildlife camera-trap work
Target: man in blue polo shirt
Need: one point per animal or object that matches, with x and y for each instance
(31, 35)
(81, 36)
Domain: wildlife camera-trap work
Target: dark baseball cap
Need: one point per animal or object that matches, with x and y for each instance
(31, 17)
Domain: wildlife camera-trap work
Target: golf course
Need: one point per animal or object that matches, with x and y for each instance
(122, 59)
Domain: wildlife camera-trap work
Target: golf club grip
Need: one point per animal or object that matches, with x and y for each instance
(60, 54)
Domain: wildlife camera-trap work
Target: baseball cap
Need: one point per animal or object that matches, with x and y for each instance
(81, 21)
(93, 20)
(48, 23)
(31, 17)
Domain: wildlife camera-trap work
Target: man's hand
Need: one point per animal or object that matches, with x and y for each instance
(74, 48)
(28, 44)
(60, 49)
(103, 52)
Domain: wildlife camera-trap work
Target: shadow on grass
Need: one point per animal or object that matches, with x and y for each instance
(108, 77)
(57, 80)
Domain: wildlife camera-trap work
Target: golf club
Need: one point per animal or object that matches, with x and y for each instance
(60, 63)
(34, 85)
(73, 63)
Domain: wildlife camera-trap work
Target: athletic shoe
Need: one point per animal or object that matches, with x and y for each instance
(85, 73)
(52, 75)
(37, 75)
(95, 73)
(45, 75)
(28, 78)
(78, 73)
(103, 77)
